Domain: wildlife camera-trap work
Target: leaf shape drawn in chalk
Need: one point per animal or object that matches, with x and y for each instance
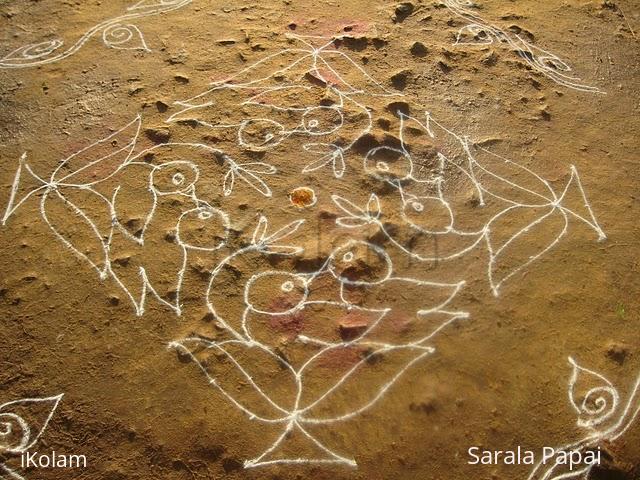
(251, 376)
(24, 421)
(542, 228)
(356, 388)
(76, 229)
(100, 160)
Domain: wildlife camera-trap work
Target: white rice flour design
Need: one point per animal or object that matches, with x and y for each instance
(116, 33)
(275, 102)
(602, 413)
(85, 189)
(430, 200)
(451, 196)
(17, 433)
(290, 399)
(479, 32)
(501, 189)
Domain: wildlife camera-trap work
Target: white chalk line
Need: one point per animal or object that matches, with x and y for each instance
(600, 414)
(116, 33)
(301, 414)
(9, 421)
(542, 61)
(53, 190)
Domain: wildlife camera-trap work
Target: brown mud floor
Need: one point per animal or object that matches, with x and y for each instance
(139, 407)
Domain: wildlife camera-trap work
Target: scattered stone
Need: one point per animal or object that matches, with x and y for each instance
(133, 223)
(122, 261)
(352, 325)
(395, 107)
(617, 352)
(490, 59)
(114, 300)
(161, 106)
(181, 78)
(403, 10)
(487, 142)
(158, 135)
(442, 65)
(544, 113)
(183, 357)
(473, 198)
(179, 58)
(226, 42)
(418, 49)
(399, 79)
(384, 124)
(302, 197)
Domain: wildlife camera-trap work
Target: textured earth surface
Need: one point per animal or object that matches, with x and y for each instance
(498, 378)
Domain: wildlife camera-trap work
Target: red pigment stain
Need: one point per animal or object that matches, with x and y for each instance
(290, 324)
(340, 357)
(329, 77)
(352, 325)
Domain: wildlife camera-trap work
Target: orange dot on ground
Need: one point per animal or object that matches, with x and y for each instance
(302, 197)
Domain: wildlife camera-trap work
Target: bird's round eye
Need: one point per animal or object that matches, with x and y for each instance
(360, 262)
(388, 163)
(276, 293)
(322, 120)
(174, 177)
(178, 179)
(260, 134)
(438, 220)
(347, 257)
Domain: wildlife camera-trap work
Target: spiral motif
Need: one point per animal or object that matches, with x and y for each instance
(598, 405)
(33, 52)
(14, 433)
(117, 34)
(124, 37)
(42, 49)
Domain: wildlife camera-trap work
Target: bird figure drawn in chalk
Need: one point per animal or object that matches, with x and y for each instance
(106, 202)
(463, 198)
(336, 356)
